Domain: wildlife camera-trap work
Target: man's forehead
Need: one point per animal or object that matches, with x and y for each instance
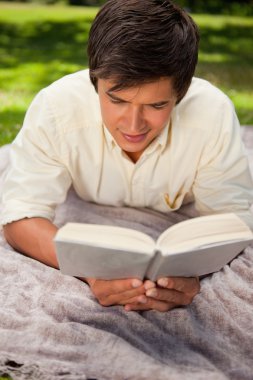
(151, 92)
(112, 85)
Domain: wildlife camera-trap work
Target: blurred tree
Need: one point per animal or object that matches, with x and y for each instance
(242, 7)
(239, 7)
(93, 3)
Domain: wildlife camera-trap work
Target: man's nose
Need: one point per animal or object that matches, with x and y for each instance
(135, 119)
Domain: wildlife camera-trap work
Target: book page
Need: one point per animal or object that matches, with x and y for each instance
(196, 262)
(114, 237)
(202, 231)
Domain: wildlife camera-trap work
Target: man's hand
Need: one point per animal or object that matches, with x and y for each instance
(169, 293)
(119, 292)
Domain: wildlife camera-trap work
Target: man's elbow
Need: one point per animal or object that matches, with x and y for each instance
(10, 233)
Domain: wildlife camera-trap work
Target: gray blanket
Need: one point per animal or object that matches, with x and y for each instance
(51, 326)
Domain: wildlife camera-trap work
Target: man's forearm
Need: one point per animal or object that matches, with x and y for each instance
(34, 238)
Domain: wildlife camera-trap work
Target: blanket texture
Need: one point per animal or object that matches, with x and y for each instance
(52, 328)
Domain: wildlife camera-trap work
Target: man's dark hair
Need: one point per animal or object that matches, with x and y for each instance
(134, 42)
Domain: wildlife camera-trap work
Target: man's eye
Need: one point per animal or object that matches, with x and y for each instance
(158, 106)
(115, 101)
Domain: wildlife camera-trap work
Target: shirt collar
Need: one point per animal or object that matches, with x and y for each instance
(110, 142)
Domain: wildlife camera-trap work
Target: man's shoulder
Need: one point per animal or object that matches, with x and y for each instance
(73, 101)
(204, 108)
(204, 100)
(71, 83)
(204, 91)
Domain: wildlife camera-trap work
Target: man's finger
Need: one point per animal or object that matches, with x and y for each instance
(129, 294)
(169, 295)
(111, 292)
(141, 298)
(189, 285)
(134, 295)
(150, 305)
(106, 287)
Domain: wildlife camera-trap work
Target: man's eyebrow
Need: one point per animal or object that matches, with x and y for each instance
(109, 93)
(162, 103)
(114, 97)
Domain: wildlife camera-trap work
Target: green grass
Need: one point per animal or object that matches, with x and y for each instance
(39, 44)
(226, 59)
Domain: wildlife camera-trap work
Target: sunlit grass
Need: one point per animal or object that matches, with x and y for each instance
(22, 13)
(39, 44)
(18, 87)
(226, 59)
(218, 21)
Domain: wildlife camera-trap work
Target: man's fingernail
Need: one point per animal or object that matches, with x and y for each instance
(136, 283)
(149, 285)
(142, 299)
(163, 282)
(151, 293)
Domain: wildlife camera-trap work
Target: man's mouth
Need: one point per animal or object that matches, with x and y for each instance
(135, 138)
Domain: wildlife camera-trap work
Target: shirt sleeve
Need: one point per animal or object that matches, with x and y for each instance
(37, 179)
(223, 182)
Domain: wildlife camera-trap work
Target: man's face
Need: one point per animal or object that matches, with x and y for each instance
(135, 116)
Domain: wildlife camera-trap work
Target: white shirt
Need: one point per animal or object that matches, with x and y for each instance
(199, 156)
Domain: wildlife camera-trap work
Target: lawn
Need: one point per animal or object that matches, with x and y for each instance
(39, 44)
(226, 59)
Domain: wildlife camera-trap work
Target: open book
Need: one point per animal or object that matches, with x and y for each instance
(193, 247)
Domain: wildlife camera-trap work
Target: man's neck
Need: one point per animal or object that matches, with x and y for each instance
(134, 156)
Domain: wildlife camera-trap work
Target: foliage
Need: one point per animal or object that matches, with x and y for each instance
(39, 44)
(232, 7)
(242, 7)
(93, 3)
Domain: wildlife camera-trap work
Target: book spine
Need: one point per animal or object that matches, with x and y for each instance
(154, 266)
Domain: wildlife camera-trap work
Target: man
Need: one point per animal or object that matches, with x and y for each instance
(145, 134)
